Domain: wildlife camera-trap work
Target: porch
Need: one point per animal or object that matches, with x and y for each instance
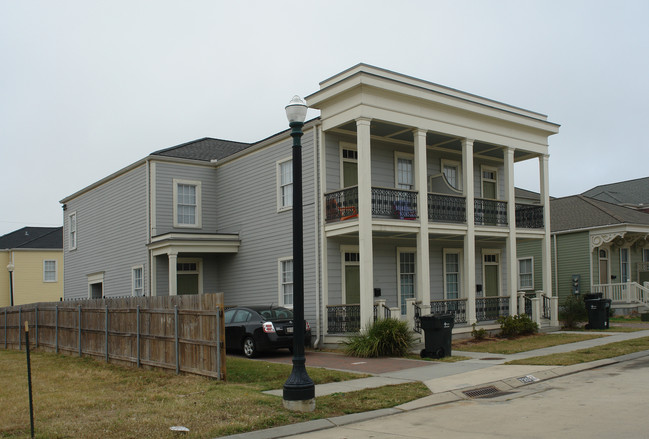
(625, 297)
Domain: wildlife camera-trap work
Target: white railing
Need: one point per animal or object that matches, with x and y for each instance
(628, 292)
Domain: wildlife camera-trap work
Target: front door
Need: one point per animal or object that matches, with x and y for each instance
(491, 267)
(188, 276)
(352, 284)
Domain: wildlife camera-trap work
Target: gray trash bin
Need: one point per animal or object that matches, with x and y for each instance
(438, 332)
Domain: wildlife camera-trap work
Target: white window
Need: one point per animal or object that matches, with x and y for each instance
(138, 281)
(286, 281)
(72, 234)
(187, 203)
(645, 255)
(526, 274)
(407, 273)
(624, 265)
(453, 172)
(405, 177)
(452, 274)
(49, 271)
(284, 185)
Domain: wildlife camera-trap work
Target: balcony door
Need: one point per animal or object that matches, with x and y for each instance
(348, 165)
(491, 273)
(351, 276)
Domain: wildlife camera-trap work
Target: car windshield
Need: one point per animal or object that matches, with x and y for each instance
(276, 313)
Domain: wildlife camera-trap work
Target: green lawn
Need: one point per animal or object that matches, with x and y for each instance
(83, 398)
(610, 350)
(521, 344)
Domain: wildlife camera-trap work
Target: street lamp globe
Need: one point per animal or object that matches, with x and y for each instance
(296, 110)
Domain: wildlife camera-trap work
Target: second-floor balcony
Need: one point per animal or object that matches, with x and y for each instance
(401, 204)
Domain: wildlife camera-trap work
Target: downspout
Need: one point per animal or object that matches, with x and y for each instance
(317, 207)
(148, 221)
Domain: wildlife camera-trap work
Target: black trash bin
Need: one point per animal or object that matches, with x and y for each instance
(438, 333)
(598, 310)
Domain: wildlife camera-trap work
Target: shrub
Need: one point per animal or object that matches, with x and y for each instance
(513, 326)
(386, 337)
(572, 311)
(479, 334)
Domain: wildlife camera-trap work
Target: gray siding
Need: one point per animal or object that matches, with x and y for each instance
(247, 205)
(111, 235)
(572, 251)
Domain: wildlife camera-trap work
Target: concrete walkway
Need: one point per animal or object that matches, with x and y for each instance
(447, 381)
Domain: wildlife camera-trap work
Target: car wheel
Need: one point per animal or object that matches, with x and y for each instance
(249, 348)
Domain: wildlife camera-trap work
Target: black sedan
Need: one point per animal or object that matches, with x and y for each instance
(254, 329)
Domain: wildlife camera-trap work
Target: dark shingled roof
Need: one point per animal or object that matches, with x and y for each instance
(205, 149)
(633, 192)
(580, 212)
(33, 237)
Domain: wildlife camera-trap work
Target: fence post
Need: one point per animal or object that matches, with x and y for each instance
(138, 335)
(56, 328)
(177, 344)
(536, 309)
(106, 328)
(36, 323)
(627, 287)
(79, 330)
(5, 328)
(218, 342)
(20, 334)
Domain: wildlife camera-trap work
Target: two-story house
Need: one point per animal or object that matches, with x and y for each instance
(409, 205)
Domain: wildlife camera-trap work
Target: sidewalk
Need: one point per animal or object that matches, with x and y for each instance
(447, 381)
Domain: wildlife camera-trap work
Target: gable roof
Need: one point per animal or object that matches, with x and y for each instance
(33, 237)
(581, 212)
(205, 149)
(632, 192)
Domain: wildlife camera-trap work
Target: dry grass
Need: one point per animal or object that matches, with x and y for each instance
(76, 398)
(610, 350)
(520, 344)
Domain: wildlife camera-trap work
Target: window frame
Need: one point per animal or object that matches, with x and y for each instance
(198, 220)
(460, 273)
(458, 166)
(405, 156)
(134, 289)
(281, 207)
(281, 284)
(531, 273)
(55, 272)
(72, 231)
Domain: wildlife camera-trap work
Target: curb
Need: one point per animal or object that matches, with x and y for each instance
(446, 397)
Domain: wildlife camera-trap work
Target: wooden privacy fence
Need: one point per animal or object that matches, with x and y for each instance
(181, 333)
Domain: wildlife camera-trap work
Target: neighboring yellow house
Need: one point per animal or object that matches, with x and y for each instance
(31, 266)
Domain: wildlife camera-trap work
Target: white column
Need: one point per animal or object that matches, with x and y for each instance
(365, 221)
(173, 278)
(546, 254)
(510, 242)
(423, 254)
(469, 240)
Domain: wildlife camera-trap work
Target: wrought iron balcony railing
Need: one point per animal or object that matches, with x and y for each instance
(457, 307)
(529, 216)
(446, 208)
(394, 203)
(490, 212)
(490, 308)
(341, 205)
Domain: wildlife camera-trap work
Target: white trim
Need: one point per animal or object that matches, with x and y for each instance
(348, 146)
(72, 239)
(599, 263)
(459, 252)
(486, 168)
(407, 156)
(198, 223)
(199, 271)
(498, 253)
(278, 178)
(452, 163)
(400, 251)
(56, 270)
(280, 283)
(133, 292)
(518, 268)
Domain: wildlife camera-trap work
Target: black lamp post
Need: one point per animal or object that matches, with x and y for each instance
(10, 268)
(299, 390)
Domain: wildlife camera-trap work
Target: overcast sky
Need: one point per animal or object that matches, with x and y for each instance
(88, 87)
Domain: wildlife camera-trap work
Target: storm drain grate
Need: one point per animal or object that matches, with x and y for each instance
(481, 392)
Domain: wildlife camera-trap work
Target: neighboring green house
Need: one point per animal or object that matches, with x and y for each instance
(596, 247)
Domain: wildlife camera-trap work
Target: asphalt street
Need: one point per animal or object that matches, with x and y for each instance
(605, 402)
